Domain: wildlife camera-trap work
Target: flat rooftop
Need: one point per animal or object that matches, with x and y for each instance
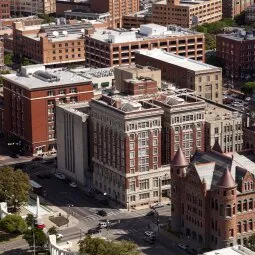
(90, 73)
(37, 77)
(240, 35)
(56, 39)
(215, 113)
(137, 68)
(189, 3)
(79, 109)
(235, 250)
(174, 59)
(147, 31)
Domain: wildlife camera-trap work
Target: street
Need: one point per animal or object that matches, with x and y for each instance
(129, 225)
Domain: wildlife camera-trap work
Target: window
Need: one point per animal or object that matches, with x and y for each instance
(51, 102)
(231, 232)
(228, 211)
(155, 182)
(73, 99)
(221, 210)
(144, 184)
(131, 146)
(144, 196)
(245, 205)
(50, 93)
(250, 225)
(132, 185)
(132, 198)
(239, 227)
(132, 155)
(250, 204)
(155, 151)
(216, 130)
(73, 90)
(155, 142)
(62, 91)
(245, 226)
(155, 193)
(239, 206)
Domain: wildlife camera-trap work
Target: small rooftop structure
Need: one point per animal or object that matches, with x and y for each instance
(179, 159)
(146, 31)
(174, 59)
(239, 34)
(37, 76)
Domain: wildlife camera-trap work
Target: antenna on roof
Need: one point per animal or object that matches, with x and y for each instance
(65, 33)
(55, 33)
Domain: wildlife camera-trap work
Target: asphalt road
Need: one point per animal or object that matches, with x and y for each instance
(131, 227)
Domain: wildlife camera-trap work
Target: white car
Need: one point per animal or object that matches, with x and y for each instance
(183, 246)
(157, 205)
(73, 184)
(247, 99)
(102, 224)
(60, 176)
(149, 233)
(59, 236)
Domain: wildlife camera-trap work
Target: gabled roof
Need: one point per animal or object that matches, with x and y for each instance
(179, 159)
(216, 147)
(227, 180)
(205, 172)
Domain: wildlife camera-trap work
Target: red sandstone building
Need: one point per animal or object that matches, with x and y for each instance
(30, 98)
(4, 9)
(213, 199)
(236, 51)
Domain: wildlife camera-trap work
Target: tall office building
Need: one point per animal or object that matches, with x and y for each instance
(4, 9)
(116, 8)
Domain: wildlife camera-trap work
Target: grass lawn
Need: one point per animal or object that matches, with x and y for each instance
(59, 220)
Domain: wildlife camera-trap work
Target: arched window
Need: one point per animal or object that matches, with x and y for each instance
(245, 186)
(239, 206)
(248, 186)
(250, 225)
(216, 205)
(251, 185)
(250, 204)
(245, 205)
(239, 227)
(228, 211)
(245, 226)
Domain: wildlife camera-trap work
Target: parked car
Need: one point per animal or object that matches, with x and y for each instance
(157, 205)
(247, 99)
(102, 224)
(59, 236)
(73, 184)
(182, 246)
(60, 176)
(150, 234)
(93, 231)
(150, 213)
(149, 240)
(102, 213)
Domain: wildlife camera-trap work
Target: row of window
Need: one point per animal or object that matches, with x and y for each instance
(60, 92)
(65, 44)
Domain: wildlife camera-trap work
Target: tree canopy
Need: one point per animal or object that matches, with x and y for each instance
(97, 246)
(251, 243)
(40, 237)
(248, 88)
(8, 59)
(14, 187)
(13, 223)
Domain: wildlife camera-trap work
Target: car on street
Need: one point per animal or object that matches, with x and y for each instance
(102, 213)
(93, 231)
(150, 213)
(149, 240)
(157, 205)
(73, 184)
(182, 246)
(59, 235)
(247, 99)
(59, 176)
(150, 234)
(102, 224)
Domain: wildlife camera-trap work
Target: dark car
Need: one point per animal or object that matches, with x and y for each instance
(102, 213)
(93, 231)
(149, 240)
(150, 213)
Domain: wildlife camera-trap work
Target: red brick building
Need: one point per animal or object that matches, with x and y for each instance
(29, 104)
(236, 51)
(5, 9)
(213, 199)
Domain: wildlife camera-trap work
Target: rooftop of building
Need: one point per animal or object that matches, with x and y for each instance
(211, 166)
(220, 112)
(239, 34)
(37, 77)
(235, 250)
(60, 32)
(177, 60)
(141, 14)
(146, 32)
(136, 69)
(81, 109)
(90, 73)
(188, 3)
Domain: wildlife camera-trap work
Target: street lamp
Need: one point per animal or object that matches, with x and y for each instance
(68, 213)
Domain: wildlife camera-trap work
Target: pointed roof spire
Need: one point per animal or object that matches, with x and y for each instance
(216, 147)
(227, 180)
(179, 159)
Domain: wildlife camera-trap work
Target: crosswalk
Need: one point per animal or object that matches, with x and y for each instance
(96, 217)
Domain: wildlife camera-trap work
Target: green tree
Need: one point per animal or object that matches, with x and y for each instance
(13, 223)
(14, 187)
(26, 62)
(248, 88)
(210, 41)
(40, 237)
(8, 59)
(46, 18)
(30, 219)
(240, 19)
(97, 246)
(52, 231)
(251, 243)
